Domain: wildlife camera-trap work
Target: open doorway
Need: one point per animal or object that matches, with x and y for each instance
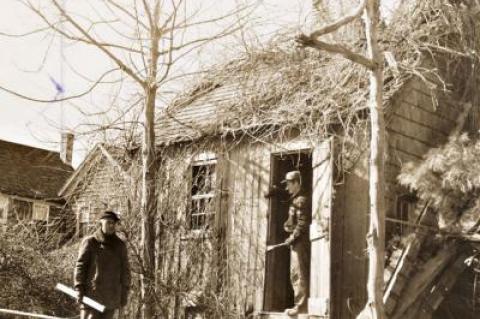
(278, 294)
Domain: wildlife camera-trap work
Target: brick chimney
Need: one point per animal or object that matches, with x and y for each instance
(66, 148)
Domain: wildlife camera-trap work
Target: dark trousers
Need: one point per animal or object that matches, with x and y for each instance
(88, 313)
(299, 274)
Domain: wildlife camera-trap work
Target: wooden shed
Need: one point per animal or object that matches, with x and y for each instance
(254, 119)
(225, 145)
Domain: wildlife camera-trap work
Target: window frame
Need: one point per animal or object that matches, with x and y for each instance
(83, 224)
(22, 209)
(405, 205)
(36, 206)
(4, 207)
(203, 160)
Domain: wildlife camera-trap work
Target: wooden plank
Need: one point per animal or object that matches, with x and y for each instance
(320, 274)
(421, 97)
(17, 313)
(400, 156)
(403, 269)
(264, 176)
(243, 217)
(442, 287)
(233, 228)
(355, 225)
(423, 279)
(416, 130)
(431, 119)
(253, 169)
(406, 144)
(432, 297)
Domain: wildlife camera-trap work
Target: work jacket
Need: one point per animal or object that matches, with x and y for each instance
(102, 270)
(298, 220)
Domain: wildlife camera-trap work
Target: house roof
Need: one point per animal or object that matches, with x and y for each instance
(272, 87)
(282, 86)
(31, 172)
(278, 86)
(115, 155)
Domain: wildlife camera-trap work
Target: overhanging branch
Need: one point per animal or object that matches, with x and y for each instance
(308, 41)
(340, 22)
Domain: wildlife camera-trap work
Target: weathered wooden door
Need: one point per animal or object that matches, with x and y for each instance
(319, 303)
(278, 292)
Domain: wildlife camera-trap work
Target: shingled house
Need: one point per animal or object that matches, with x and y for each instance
(230, 140)
(225, 145)
(30, 179)
(102, 181)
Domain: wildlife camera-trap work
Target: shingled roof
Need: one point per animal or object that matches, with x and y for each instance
(281, 86)
(272, 87)
(31, 172)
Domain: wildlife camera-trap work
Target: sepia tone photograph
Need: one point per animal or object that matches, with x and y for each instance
(240, 159)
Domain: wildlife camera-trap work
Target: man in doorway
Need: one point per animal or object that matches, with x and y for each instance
(297, 226)
(102, 270)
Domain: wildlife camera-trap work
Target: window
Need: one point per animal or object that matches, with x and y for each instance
(194, 313)
(40, 211)
(22, 209)
(405, 210)
(202, 206)
(83, 221)
(3, 207)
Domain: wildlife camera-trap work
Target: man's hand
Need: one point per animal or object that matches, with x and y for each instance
(80, 295)
(289, 241)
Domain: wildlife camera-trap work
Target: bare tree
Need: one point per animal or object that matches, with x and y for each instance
(373, 61)
(149, 39)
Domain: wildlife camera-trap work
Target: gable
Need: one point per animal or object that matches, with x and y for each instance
(110, 157)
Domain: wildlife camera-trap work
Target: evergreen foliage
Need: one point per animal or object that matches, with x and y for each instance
(448, 178)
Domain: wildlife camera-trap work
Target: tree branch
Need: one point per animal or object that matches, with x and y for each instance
(340, 22)
(53, 26)
(20, 95)
(308, 41)
(119, 62)
(128, 13)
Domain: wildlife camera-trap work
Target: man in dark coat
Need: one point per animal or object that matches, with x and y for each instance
(297, 225)
(102, 270)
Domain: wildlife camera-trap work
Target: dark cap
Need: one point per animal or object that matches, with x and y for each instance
(292, 176)
(110, 215)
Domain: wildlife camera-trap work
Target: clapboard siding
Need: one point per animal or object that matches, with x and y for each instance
(416, 123)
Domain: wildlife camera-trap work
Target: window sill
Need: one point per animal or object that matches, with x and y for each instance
(197, 234)
(279, 315)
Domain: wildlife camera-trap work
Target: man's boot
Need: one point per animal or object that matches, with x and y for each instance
(292, 311)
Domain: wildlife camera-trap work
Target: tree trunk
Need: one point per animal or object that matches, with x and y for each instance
(149, 207)
(374, 63)
(376, 235)
(149, 180)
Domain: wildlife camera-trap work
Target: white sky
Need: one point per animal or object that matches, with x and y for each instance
(27, 64)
